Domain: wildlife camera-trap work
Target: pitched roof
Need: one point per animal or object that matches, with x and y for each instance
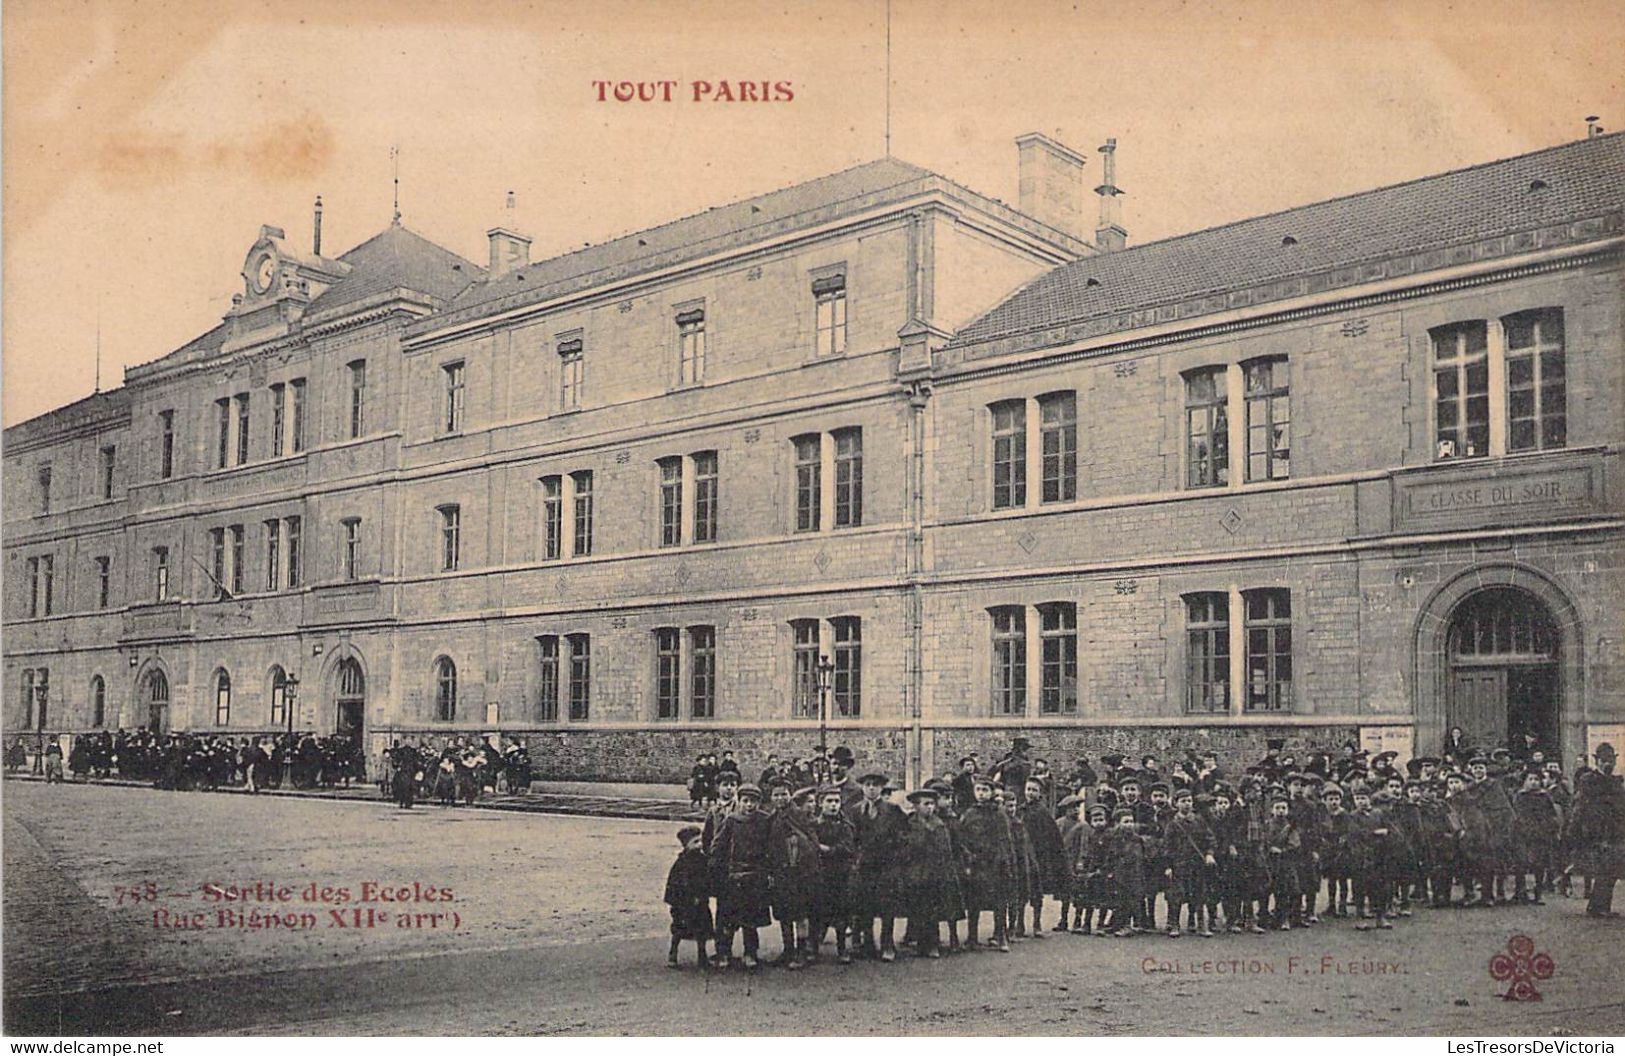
(695, 236)
(398, 258)
(1576, 180)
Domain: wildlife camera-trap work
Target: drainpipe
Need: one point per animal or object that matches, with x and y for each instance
(918, 397)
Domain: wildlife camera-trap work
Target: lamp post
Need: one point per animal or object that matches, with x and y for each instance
(290, 695)
(826, 676)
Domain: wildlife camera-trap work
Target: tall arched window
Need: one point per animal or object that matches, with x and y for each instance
(98, 701)
(222, 698)
(279, 697)
(445, 692)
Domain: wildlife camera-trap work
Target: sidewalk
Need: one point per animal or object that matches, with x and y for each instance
(659, 802)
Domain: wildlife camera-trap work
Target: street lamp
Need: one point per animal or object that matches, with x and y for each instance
(290, 694)
(826, 676)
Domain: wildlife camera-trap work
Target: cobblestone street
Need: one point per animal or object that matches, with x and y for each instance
(491, 922)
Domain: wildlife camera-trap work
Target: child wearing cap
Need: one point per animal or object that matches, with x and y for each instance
(793, 860)
(985, 846)
(1534, 835)
(1050, 873)
(1187, 856)
(1334, 850)
(1086, 850)
(688, 893)
(1125, 854)
(741, 851)
(1283, 845)
(837, 847)
(930, 888)
(1368, 833)
(878, 824)
(1229, 827)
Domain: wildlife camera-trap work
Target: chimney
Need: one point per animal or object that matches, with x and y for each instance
(509, 249)
(1109, 234)
(1050, 176)
(316, 239)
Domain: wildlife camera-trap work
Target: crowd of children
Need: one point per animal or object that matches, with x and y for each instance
(1129, 850)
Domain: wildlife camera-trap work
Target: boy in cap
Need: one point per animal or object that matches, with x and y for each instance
(1534, 835)
(1125, 862)
(1022, 867)
(741, 849)
(1086, 849)
(688, 893)
(793, 861)
(1306, 816)
(930, 888)
(878, 825)
(1283, 844)
(1187, 856)
(1334, 849)
(1369, 833)
(837, 847)
(1050, 874)
(1229, 833)
(985, 847)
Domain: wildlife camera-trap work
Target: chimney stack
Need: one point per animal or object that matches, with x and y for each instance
(509, 249)
(1050, 179)
(1109, 234)
(1593, 130)
(316, 239)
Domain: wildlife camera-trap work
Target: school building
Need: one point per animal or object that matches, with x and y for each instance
(876, 447)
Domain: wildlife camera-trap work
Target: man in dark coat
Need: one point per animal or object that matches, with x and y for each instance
(741, 850)
(877, 824)
(404, 768)
(1596, 831)
(984, 860)
(1014, 769)
(1053, 876)
(964, 784)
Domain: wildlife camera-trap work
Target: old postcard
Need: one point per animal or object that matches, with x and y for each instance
(868, 518)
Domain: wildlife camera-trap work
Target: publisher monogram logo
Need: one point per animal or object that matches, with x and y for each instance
(1519, 966)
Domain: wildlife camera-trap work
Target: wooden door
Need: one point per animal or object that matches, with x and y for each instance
(1478, 704)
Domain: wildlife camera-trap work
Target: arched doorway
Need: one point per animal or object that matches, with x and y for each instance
(1503, 653)
(349, 699)
(155, 693)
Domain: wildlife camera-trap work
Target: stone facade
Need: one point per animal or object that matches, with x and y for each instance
(1376, 542)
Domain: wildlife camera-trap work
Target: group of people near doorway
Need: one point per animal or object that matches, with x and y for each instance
(1293, 841)
(194, 761)
(456, 772)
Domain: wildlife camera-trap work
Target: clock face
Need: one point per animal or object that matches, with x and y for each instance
(264, 272)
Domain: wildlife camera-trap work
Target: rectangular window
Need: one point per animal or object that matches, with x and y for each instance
(242, 428)
(580, 676)
(809, 486)
(1461, 391)
(848, 666)
(804, 669)
(1058, 431)
(1009, 660)
(166, 444)
(452, 416)
(1269, 649)
(1269, 418)
(28, 698)
(109, 456)
(547, 678)
(572, 373)
(295, 568)
(160, 573)
(43, 478)
(671, 500)
(217, 560)
(552, 518)
(279, 700)
(1058, 640)
(235, 532)
(358, 398)
(1537, 383)
(1207, 652)
(273, 555)
(104, 581)
(279, 419)
(583, 511)
(352, 547)
(691, 347)
(705, 497)
(829, 297)
(47, 571)
(33, 587)
(848, 477)
(222, 416)
(1009, 454)
(296, 440)
(1207, 428)
(222, 700)
(451, 537)
(668, 673)
(702, 672)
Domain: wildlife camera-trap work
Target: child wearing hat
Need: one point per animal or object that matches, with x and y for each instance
(1368, 834)
(837, 848)
(1125, 860)
(688, 893)
(1186, 858)
(1086, 850)
(1228, 823)
(741, 850)
(1334, 850)
(1283, 844)
(878, 825)
(793, 872)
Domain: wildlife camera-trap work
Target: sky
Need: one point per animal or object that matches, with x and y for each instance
(145, 143)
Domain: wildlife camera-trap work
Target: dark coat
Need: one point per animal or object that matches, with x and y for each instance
(793, 860)
(1283, 846)
(879, 838)
(1536, 829)
(688, 893)
(985, 856)
(927, 871)
(837, 853)
(1051, 876)
(1125, 857)
(741, 851)
(1596, 828)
